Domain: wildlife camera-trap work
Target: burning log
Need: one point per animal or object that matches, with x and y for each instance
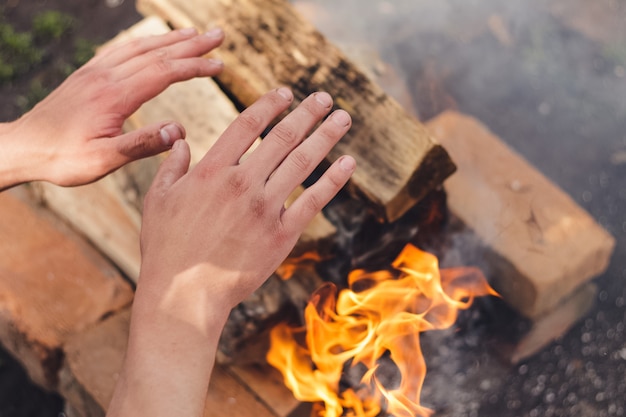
(268, 44)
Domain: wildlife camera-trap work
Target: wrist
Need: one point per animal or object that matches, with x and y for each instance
(171, 351)
(21, 159)
(13, 161)
(185, 297)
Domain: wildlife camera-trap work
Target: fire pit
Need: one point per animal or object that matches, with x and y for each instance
(533, 242)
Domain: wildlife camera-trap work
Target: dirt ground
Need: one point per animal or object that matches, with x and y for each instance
(94, 22)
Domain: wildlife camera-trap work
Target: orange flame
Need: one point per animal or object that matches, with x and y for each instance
(381, 313)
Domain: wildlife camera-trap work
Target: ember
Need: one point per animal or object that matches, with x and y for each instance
(381, 314)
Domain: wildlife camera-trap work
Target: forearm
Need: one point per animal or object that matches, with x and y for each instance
(173, 340)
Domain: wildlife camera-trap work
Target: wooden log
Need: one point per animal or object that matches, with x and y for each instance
(95, 356)
(108, 211)
(554, 323)
(187, 102)
(245, 338)
(540, 246)
(52, 285)
(101, 213)
(268, 44)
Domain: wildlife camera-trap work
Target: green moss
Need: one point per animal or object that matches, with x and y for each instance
(18, 53)
(84, 50)
(52, 24)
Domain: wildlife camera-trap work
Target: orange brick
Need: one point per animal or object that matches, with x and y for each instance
(52, 284)
(541, 245)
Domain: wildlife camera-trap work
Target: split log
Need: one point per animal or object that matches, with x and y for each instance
(555, 323)
(268, 44)
(539, 245)
(100, 212)
(187, 102)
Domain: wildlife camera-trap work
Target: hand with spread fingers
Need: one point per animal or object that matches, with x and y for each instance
(74, 136)
(212, 235)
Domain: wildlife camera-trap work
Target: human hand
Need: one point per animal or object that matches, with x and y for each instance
(211, 236)
(224, 222)
(74, 136)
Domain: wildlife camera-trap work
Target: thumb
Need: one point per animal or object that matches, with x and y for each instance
(173, 168)
(148, 141)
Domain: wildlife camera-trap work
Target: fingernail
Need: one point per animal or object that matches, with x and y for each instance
(324, 99)
(177, 145)
(188, 31)
(285, 93)
(341, 117)
(347, 163)
(214, 33)
(170, 134)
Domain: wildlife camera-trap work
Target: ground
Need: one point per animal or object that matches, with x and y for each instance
(92, 22)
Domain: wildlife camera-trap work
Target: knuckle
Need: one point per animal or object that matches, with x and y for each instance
(250, 121)
(313, 204)
(162, 65)
(258, 206)
(284, 135)
(300, 160)
(160, 53)
(97, 76)
(238, 183)
(141, 145)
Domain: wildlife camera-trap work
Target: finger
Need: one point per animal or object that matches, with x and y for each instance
(288, 134)
(313, 199)
(195, 46)
(151, 81)
(299, 164)
(172, 169)
(246, 128)
(141, 143)
(118, 53)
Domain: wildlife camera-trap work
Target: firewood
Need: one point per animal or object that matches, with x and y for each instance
(539, 246)
(52, 284)
(268, 44)
(244, 339)
(93, 361)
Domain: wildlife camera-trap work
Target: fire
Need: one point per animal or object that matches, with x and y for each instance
(381, 314)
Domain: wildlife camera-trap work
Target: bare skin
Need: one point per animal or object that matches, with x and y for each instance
(210, 235)
(74, 136)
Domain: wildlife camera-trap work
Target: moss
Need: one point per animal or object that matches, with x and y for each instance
(52, 24)
(84, 50)
(18, 52)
